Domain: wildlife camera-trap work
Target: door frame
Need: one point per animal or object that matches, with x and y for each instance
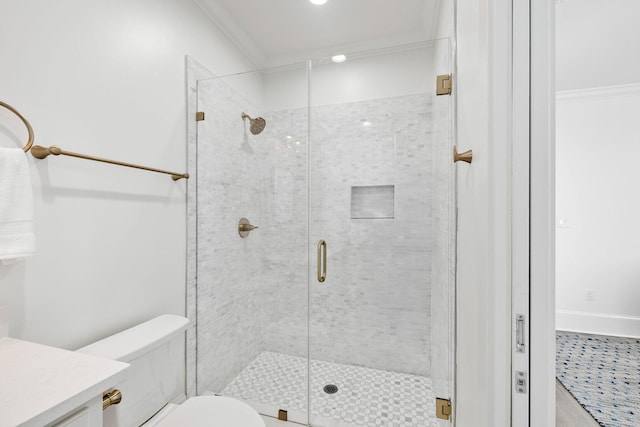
(542, 213)
(522, 180)
(520, 218)
(533, 257)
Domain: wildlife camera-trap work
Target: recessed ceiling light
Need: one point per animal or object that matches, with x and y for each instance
(338, 58)
(365, 123)
(318, 2)
(289, 137)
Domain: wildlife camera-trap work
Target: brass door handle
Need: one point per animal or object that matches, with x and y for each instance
(322, 261)
(467, 156)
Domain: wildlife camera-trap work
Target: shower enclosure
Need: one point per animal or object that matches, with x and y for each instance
(337, 309)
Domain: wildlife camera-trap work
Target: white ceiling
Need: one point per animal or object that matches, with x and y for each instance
(276, 32)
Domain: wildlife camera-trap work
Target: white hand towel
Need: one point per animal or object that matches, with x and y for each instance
(16, 206)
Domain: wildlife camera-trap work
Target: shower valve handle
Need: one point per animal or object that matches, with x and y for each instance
(244, 227)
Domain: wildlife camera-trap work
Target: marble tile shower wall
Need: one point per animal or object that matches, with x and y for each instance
(230, 181)
(374, 308)
(286, 234)
(252, 289)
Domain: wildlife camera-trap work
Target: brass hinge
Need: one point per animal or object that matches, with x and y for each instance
(444, 84)
(443, 408)
(200, 116)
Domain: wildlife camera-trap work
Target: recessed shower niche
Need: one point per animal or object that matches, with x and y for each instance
(372, 201)
(280, 316)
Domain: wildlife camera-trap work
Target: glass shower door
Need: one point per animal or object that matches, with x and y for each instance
(381, 238)
(252, 289)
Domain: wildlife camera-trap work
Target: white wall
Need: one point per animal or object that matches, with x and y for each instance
(595, 132)
(365, 76)
(598, 272)
(108, 79)
(232, 168)
(597, 43)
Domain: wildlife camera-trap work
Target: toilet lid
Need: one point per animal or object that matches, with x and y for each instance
(212, 411)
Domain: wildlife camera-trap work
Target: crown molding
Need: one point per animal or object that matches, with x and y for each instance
(600, 92)
(228, 24)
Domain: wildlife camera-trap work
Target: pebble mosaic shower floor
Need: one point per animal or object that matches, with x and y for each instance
(365, 396)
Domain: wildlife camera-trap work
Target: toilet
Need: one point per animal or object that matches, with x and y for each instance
(155, 381)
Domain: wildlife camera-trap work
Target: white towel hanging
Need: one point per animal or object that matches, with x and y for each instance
(17, 239)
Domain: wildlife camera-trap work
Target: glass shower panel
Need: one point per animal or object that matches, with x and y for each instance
(252, 292)
(378, 193)
(443, 258)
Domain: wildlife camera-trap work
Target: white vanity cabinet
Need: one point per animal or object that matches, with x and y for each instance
(47, 386)
(88, 415)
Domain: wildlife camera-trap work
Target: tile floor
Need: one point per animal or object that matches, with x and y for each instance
(365, 396)
(272, 422)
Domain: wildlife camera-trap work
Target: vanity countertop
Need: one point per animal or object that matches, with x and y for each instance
(39, 384)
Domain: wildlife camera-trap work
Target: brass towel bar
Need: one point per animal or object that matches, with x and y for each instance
(26, 123)
(42, 152)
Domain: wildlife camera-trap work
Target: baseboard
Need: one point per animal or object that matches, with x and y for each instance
(597, 323)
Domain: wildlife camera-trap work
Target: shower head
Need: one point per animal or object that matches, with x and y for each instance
(257, 125)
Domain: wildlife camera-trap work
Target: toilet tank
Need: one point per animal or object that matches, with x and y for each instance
(156, 352)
